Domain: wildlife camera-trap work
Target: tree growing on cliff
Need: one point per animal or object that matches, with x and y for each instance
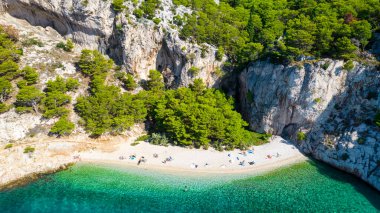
(118, 5)
(62, 127)
(72, 84)
(29, 150)
(361, 30)
(301, 136)
(219, 53)
(9, 69)
(30, 75)
(127, 79)
(28, 99)
(344, 48)
(68, 47)
(155, 82)
(149, 8)
(92, 62)
(5, 89)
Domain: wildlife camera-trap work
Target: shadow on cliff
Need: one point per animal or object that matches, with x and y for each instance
(76, 26)
(347, 113)
(170, 65)
(37, 16)
(372, 195)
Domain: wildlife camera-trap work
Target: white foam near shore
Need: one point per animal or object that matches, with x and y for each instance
(51, 155)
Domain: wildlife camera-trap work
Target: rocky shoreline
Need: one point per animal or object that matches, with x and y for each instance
(33, 176)
(17, 166)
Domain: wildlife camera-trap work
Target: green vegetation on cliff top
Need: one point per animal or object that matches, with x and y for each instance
(194, 116)
(282, 29)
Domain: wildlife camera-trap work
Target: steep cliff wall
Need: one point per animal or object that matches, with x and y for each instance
(144, 45)
(280, 100)
(334, 109)
(137, 44)
(88, 25)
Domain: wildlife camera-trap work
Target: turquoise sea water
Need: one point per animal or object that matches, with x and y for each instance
(309, 186)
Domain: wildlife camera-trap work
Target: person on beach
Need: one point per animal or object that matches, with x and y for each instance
(141, 160)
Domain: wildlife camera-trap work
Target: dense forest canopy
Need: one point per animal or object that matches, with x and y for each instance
(202, 117)
(282, 29)
(194, 116)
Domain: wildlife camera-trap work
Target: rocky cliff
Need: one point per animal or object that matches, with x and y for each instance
(89, 25)
(137, 44)
(327, 110)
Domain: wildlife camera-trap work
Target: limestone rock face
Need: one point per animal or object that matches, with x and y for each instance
(176, 58)
(334, 107)
(280, 100)
(139, 45)
(14, 126)
(145, 48)
(89, 25)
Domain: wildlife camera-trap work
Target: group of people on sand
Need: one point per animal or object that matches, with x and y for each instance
(168, 159)
(77, 157)
(142, 159)
(270, 156)
(241, 158)
(242, 161)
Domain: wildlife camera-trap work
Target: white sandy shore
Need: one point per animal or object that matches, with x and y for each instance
(51, 154)
(273, 155)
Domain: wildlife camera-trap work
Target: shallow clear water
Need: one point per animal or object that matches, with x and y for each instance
(85, 188)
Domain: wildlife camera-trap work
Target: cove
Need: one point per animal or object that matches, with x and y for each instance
(309, 186)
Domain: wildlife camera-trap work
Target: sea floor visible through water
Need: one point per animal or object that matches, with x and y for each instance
(309, 186)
